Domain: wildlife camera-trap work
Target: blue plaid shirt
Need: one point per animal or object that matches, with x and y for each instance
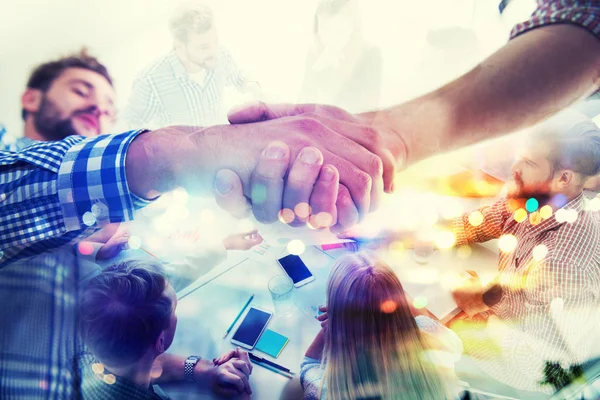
(52, 194)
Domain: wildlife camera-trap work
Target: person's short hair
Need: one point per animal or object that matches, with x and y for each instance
(191, 16)
(574, 142)
(45, 74)
(123, 311)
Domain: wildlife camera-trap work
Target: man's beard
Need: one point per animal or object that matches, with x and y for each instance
(49, 124)
(520, 193)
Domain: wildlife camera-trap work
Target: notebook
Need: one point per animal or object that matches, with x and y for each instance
(271, 343)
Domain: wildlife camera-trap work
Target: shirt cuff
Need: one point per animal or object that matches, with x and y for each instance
(587, 17)
(92, 183)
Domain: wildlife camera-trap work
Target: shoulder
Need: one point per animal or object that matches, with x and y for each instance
(160, 66)
(577, 242)
(311, 377)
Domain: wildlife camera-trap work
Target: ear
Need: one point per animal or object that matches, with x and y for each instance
(31, 100)
(160, 343)
(566, 177)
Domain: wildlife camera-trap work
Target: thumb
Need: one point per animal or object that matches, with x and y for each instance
(229, 194)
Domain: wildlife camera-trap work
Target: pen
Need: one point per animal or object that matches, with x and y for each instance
(238, 316)
(271, 366)
(271, 363)
(352, 246)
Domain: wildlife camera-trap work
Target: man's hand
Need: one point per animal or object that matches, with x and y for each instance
(468, 295)
(368, 130)
(230, 377)
(312, 193)
(114, 245)
(242, 241)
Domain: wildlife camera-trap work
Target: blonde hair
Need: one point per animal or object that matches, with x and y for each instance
(373, 347)
(190, 16)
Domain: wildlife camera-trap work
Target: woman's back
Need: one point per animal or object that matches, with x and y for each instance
(372, 346)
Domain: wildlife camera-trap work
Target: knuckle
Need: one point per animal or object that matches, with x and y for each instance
(364, 181)
(308, 124)
(372, 135)
(374, 165)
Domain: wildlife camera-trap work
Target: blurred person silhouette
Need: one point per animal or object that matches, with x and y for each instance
(185, 87)
(371, 345)
(341, 67)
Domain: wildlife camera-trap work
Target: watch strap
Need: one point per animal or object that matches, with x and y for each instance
(188, 367)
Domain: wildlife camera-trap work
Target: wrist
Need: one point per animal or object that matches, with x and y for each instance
(476, 308)
(203, 371)
(419, 128)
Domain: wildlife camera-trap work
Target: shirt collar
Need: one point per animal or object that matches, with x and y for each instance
(577, 204)
(178, 69)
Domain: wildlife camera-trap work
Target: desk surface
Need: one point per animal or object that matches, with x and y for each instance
(208, 306)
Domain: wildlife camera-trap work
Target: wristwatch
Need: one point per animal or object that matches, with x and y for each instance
(188, 367)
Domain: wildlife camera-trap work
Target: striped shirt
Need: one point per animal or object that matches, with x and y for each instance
(51, 195)
(550, 289)
(165, 94)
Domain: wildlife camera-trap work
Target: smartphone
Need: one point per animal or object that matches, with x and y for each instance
(254, 323)
(296, 269)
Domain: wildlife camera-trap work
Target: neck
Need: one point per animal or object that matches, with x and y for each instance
(572, 195)
(138, 372)
(189, 66)
(31, 132)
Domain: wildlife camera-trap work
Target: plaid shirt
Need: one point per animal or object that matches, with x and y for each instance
(547, 302)
(47, 191)
(584, 13)
(102, 385)
(165, 94)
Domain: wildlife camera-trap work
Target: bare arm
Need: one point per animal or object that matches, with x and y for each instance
(532, 77)
(315, 350)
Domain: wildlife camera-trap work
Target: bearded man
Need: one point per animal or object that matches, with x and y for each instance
(545, 303)
(73, 95)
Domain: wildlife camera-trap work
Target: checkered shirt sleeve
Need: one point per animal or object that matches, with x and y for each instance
(494, 219)
(583, 13)
(54, 193)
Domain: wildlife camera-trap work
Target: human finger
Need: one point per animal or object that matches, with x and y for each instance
(324, 197)
(267, 182)
(229, 193)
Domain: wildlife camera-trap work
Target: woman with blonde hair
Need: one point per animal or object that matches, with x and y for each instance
(371, 346)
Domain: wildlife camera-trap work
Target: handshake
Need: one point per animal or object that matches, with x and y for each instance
(315, 165)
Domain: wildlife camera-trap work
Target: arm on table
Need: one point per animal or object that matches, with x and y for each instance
(494, 219)
(556, 328)
(229, 378)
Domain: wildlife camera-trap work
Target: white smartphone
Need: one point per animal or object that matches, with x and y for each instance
(296, 269)
(254, 323)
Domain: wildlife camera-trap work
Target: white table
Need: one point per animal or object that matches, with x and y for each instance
(207, 308)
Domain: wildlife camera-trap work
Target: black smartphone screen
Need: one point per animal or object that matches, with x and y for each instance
(295, 268)
(251, 327)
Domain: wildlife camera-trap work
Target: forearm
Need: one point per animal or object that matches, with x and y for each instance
(315, 350)
(181, 156)
(170, 368)
(532, 77)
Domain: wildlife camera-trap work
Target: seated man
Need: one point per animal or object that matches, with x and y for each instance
(548, 287)
(128, 321)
